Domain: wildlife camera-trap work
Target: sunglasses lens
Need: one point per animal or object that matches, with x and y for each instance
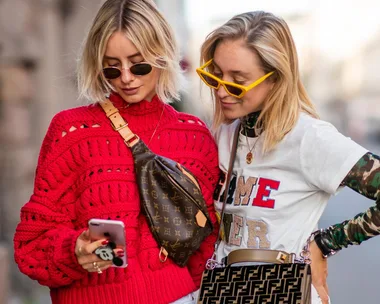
(210, 81)
(141, 69)
(233, 90)
(111, 73)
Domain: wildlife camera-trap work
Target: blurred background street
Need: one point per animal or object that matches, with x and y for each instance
(338, 44)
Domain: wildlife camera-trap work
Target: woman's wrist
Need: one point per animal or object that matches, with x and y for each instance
(318, 238)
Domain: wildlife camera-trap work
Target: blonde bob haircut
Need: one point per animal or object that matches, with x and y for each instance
(144, 25)
(269, 37)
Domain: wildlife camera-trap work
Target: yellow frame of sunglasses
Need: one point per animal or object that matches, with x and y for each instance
(244, 89)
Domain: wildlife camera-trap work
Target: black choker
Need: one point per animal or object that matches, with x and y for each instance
(248, 123)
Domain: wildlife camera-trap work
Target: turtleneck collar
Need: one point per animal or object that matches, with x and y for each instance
(140, 108)
(248, 124)
(145, 116)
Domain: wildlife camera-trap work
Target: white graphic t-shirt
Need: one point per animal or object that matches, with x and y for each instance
(276, 201)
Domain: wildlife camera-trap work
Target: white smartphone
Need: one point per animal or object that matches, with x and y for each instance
(111, 230)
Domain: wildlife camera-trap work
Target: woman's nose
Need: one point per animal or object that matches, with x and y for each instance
(221, 92)
(126, 75)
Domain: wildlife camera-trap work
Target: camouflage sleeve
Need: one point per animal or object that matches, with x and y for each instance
(363, 178)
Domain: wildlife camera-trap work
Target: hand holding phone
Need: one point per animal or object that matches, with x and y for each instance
(114, 231)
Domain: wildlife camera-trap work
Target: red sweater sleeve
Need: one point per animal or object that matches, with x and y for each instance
(45, 238)
(205, 168)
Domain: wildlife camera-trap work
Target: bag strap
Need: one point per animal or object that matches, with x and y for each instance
(119, 124)
(228, 179)
(259, 255)
(212, 262)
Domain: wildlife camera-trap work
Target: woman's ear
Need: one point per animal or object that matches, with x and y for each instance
(273, 80)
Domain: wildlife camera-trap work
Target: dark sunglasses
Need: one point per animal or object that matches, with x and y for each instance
(138, 69)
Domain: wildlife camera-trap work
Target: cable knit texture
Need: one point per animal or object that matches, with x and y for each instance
(86, 171)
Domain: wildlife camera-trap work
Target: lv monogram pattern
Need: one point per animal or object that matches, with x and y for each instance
(257, 284)
(170, 200)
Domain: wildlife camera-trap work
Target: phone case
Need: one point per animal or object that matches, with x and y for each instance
(111, 230)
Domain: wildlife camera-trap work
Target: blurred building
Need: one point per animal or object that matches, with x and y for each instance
(344, 88)
(39, 44)
(361, 73)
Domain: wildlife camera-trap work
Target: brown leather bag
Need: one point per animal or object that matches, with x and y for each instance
(170, 195)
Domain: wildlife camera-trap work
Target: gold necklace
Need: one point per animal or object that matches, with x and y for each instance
(249, 157)
(159, 120)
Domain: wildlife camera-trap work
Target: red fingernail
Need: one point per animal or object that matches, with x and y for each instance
(120, 251)
(105, 242)
(120, 255)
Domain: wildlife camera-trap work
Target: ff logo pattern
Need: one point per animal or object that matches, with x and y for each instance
(257, 284)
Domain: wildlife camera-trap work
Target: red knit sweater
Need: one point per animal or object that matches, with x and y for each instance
(86, 171)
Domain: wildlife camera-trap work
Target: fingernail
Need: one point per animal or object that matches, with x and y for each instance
(120, 255)
(121, 251)
(105, 242)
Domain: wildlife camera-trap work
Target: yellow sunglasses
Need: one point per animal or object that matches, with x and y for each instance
(233, 89)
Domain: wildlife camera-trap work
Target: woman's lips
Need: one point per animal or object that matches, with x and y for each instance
(228, 104)
(130, 91)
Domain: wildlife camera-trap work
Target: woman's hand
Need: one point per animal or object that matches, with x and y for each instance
(84, 249)
(319, 272)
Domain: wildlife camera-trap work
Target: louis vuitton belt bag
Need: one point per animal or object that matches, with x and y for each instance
(170, 196)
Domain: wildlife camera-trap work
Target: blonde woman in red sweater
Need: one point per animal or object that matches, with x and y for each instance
(86, 171)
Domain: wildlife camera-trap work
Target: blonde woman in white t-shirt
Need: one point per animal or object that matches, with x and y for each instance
(288, 162)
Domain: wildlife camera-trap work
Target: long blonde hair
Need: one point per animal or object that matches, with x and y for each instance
(144, 25)
(269, 37)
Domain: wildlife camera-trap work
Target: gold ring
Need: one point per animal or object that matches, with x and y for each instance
(96, 266)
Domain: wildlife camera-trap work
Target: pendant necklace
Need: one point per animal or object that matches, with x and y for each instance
(158, 123)
(249, 157)
(159, 120)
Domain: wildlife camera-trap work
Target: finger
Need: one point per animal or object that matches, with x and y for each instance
(79, 251)
(322, 294)
(93, 266)
(85, 235)
(327, 288)
(88, 260)
(90, 248)
(82, 239)
(119, 252)
(100, 269)
(105, 267)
